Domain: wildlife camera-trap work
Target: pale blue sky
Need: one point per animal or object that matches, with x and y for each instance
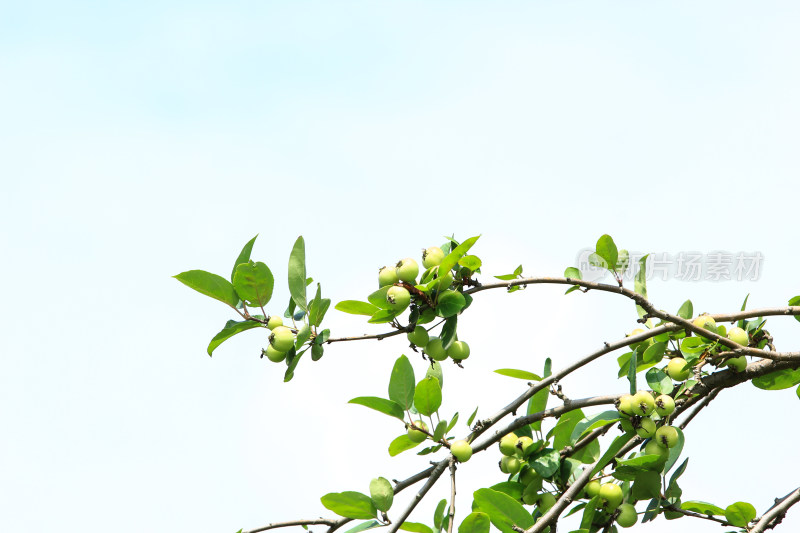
(141, 140)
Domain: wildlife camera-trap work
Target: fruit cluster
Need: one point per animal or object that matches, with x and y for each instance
(516, 451)
(281, 339)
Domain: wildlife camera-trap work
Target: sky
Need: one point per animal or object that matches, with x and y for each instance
(142, 140)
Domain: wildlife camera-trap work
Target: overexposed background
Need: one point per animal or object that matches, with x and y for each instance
(144, 139)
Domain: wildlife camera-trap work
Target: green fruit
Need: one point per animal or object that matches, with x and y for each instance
(647, 428)
(530, 479)
(274, 355)
(508, 444)
(432, 256)
(654, 448)
(445, 281)
(665, 405)
(592, 488)
(625, 404)
(398, 298)
(705, 322)
(522, 445)
(678, 370)
(739, 336)
(274, 321)
(418, 337)
(667, 436)
(737, 364)
(509, 465)
(461, 450)
(407, 270)
(643, 403)
(627, 515)
(387, 276)
(282, 339)
(415, 434)
(458, 351)
(435, 350)
(546, 501)
(611, 493)
(637, 331)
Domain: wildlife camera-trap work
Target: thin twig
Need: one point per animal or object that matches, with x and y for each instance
(452, 494)
(312, 522)
(435, 474)
(696, 515)
(775, 514)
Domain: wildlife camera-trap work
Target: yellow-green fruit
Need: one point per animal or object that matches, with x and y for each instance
(274, 355)
(509, 465)
(398, 298)
(637, 331)
(522, 445)
(546, 501)
(432, 257)
(705, 322)
(531, 479)
(508, 444)
(643, 403)
(647, 428)
(435, 350)
(461, 450)
(592, 488)
(458, 351)
(611, 493)
(387, 276)
(665, 405)
(654, 448)
(737, 364)
(739, 336)
(282, 339)
(274, 321)
(678, 370)
(627, 515)
(407, 270)
(419, 336)
(416, 435)
(625, 404)
(667, 436)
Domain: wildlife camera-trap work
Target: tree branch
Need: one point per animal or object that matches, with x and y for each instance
(452, 494)
(312, 522)
(775, 514)
(435, 474)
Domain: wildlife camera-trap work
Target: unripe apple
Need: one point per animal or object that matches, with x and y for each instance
(665, 405)
(678, 370)
(625, 405)
(705, 322)
(415, 434)
(667, 436)
(458, 351)
(647, 428)
(432, 256)
(522, 445)
(592, 488)
(407, 270)
(274, 355)
(739, 336)
(418, 337)
(398, 298)
(653, 447)
(546, 501)
(637, 331)
(737, 364)
(508, 444)
(435, 350)
(509, 465)
(274, 321)
(627, 515)
(531, 479)
(461, 450)
(643, 403)
(445, 280)
(387, 276)
(282, 339)
(611, 493)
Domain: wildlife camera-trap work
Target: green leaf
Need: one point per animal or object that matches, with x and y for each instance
(449, 331)
(545, 462)
(640, 283)
(686, 311)
(507, 277)
(589, 453)
(607, 250)
(703, 508)
(452, 258)
(401, 384)
(387, 407)
(512, 488)
(401, 444)
(643, 462)
(798, 392)
(439, 432)
(615, 446)
(654, 353)
(452, 424)
(538, 402)
(573, 273)
(211, 285)
(297, 274)
(593, 422)
(354, 307)
(659, 381)
(382, 493)
(472, 262)
(253, 283)
(302, 335)
(292, 359)
(475, 412)
(632, 367)
(363, 526)
(378, 298)
(646, 485)
(475, 523)
(438, 514)
(519, 374)
(562, 431)
(231, 328)
(383, 316)
(795, 302)
(782, 379)
(675, 451)
(450, 303)
(740, 513)
(318, 307)
(415, 527)
(427, 396)
(504, 512)
(349, 504)
(244, 255)
(435, 370)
